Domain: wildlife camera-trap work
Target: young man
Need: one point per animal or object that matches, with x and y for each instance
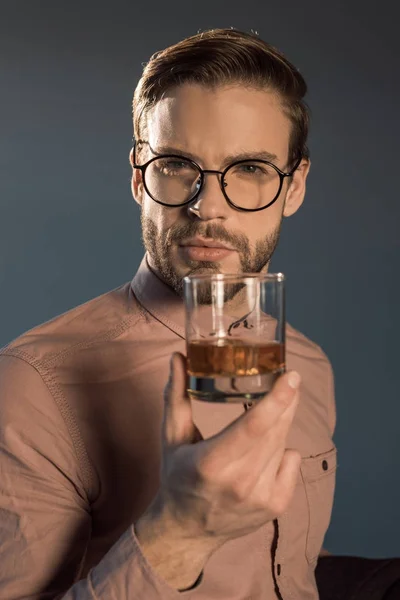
(111, 486)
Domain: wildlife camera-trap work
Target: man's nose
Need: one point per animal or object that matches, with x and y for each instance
(211, 202)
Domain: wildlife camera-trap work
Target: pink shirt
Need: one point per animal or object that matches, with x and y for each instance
(81, 403)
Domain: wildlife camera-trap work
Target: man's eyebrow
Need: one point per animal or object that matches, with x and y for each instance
(231, 158)
(255, 154)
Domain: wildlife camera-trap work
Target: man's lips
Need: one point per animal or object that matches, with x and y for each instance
(199, 242)
(204, 249)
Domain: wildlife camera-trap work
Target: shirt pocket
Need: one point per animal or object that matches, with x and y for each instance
(318, 474)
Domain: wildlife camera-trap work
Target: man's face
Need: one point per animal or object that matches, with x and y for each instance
(209, 126)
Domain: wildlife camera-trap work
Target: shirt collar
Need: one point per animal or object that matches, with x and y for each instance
(159, 299)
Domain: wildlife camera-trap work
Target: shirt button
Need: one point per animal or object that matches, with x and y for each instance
(325, 465)
(247, 405)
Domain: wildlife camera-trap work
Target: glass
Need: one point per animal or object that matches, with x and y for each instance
(235, 335)
(252, 185)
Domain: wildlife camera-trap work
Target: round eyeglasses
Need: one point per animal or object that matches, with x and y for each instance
(249, 185)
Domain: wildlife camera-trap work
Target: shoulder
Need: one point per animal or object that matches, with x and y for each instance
(100, 319)
(305, 354)
(300, 345)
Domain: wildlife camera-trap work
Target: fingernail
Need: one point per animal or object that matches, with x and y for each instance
(294, 380)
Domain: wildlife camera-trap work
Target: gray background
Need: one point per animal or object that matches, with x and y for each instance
(69, 229)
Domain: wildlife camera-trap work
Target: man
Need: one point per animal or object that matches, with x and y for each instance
(106, 492)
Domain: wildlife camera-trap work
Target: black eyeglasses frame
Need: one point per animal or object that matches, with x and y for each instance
(282, 176)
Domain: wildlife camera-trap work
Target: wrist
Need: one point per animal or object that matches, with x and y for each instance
(175, 557)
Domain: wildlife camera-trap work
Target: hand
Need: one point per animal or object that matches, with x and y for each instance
(226, 486)
(231, 484)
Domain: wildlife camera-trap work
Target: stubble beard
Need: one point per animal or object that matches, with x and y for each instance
(159, 248)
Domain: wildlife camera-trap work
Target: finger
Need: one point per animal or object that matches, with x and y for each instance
(285, 481)
(281, 402)
(174, 398)
(249, 429)
(274, 443)
(266, 455)
(178, 426)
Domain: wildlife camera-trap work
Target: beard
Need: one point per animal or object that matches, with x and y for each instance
(158, 245)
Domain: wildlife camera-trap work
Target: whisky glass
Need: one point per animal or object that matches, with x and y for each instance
(235, 335)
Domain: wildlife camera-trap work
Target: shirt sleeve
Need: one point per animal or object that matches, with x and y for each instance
(45, 519)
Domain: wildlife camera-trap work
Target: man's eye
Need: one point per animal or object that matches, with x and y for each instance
(173, 166)
(176, 164)
(250, 169)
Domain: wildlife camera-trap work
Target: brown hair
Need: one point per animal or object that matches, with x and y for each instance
(225, 56)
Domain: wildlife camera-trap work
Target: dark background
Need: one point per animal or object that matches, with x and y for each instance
(69, 229)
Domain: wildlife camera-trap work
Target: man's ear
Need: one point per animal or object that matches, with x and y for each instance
(136, 181)
(297, 188)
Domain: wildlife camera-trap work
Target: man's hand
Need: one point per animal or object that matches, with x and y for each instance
(221, 488)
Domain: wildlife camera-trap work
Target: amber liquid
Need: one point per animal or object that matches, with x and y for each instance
(233, 370)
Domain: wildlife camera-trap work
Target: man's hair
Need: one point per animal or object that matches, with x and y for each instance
(223, 57)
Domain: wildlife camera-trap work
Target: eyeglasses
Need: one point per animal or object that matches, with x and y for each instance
(249, 185)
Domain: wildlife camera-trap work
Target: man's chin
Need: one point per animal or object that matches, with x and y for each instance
(189, 267)
(204, 267)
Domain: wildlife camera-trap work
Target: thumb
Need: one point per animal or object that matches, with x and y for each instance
(178, 426)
